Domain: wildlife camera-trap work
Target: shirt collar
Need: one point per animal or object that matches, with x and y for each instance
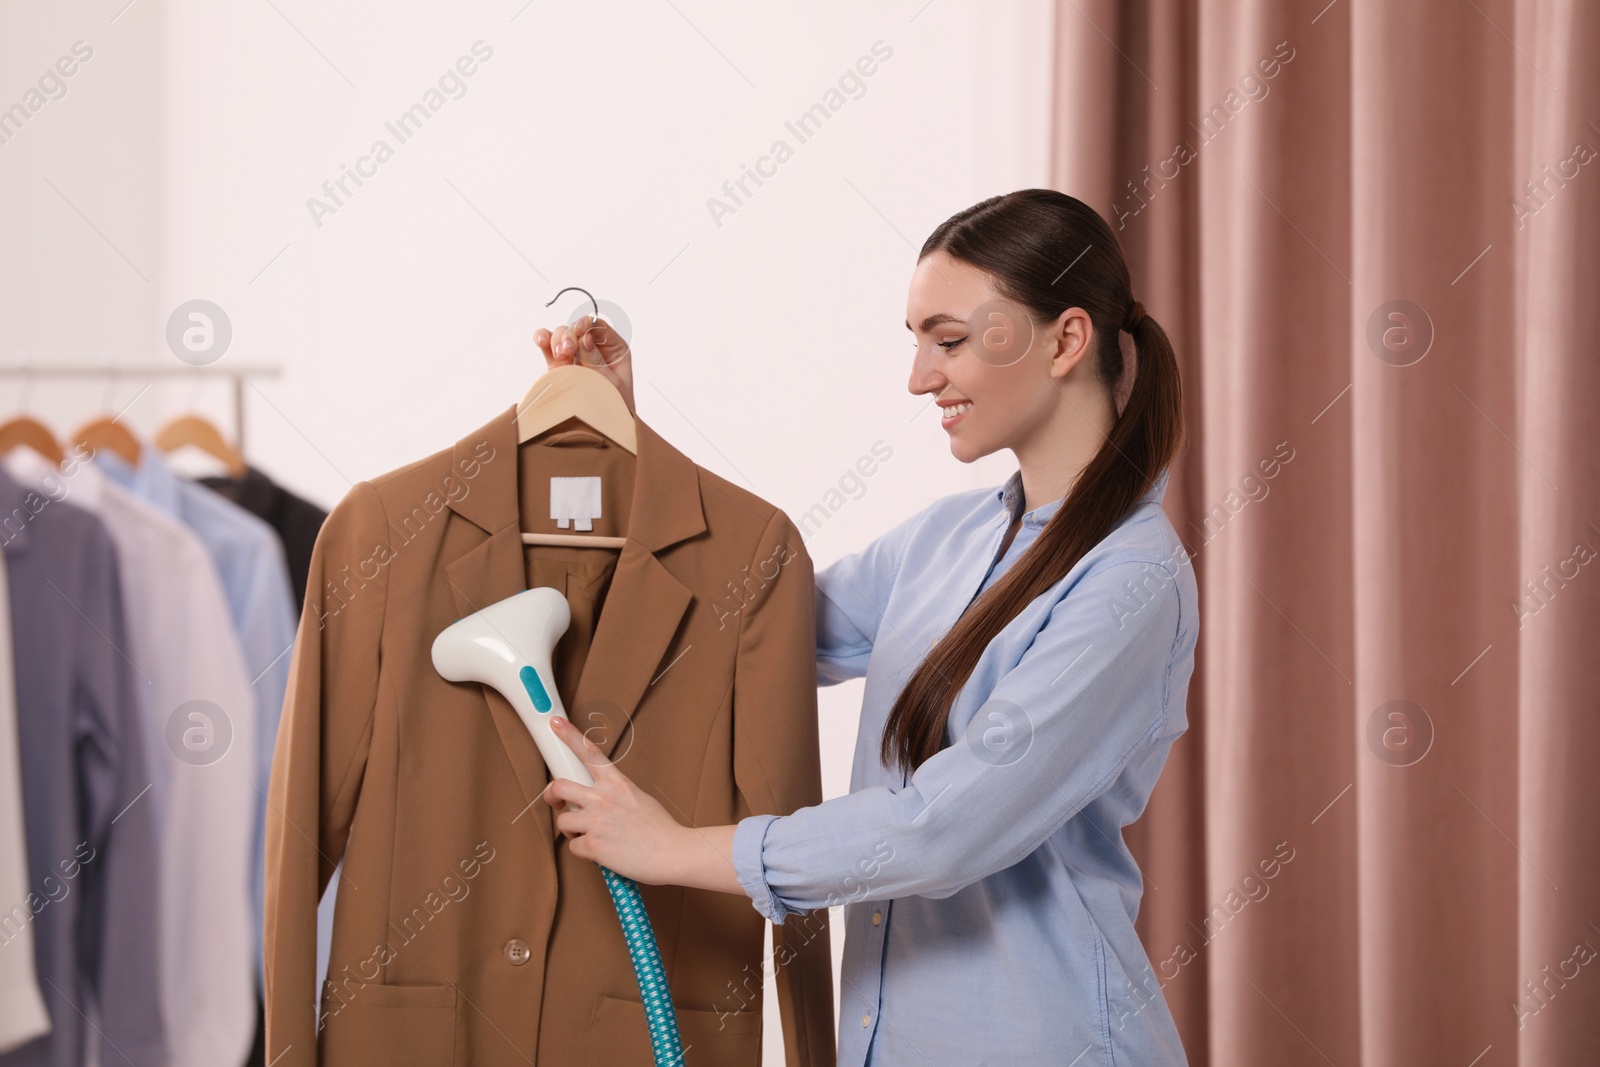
(153, 479)
(1010, 496)
(85, 486)
(16, 516)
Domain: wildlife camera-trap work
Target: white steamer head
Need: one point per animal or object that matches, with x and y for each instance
(508, 645)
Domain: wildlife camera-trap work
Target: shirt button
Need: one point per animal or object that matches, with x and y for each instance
(865, 1019)
(877, 918)
(517, 952)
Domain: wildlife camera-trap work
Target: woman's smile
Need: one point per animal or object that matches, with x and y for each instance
(953, 412)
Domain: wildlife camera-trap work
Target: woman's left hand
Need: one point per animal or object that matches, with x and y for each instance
(614, 822)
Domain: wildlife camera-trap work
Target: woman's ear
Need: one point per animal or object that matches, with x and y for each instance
(1072, 335)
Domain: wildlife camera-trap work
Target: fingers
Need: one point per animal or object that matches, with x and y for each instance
(569, 823)
(579, 846)
(586, 749)
(593, 334)
(586, 329)
(560, 794)
(550, 345)
(564, 794)
(600, 342)
(564, 343)
(570, 800)
(593, 343)
(560, 346)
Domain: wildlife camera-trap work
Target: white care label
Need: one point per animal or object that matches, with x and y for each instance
(575, 500)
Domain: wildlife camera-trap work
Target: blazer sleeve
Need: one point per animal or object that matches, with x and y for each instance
(321, 753)
(852, 593)
(777, 768)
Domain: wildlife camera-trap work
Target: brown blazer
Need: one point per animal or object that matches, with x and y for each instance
(465, 931)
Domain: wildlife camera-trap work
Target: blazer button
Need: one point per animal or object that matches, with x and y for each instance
(517, 952)
(877, 918)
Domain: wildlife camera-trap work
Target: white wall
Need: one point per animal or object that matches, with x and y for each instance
(80, 163)
(583, 152)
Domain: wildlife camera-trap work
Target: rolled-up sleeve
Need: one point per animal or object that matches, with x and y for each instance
(1087, 698)
(852, 593)
(748, 838)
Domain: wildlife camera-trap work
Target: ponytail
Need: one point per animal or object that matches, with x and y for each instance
(1021, 239)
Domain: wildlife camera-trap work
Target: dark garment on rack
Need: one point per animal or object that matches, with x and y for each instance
(297, 521)
(91, 825)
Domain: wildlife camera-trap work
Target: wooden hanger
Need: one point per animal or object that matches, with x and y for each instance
(204, 435)
(583, 393)
(27, 430)
(109, 434)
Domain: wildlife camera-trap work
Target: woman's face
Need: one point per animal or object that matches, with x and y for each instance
(996, 376)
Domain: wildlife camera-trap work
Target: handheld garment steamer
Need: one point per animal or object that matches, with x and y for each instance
(508, 645)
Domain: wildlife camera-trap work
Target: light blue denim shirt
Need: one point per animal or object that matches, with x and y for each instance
(989, 899)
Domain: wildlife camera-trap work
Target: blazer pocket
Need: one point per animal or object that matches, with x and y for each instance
(404, 1025)
(620, 1037)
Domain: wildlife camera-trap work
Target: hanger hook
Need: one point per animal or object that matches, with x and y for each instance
(585, 292)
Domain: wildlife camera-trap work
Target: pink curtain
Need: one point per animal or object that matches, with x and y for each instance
(1372, 229)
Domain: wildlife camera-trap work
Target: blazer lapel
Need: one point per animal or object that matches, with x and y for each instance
(642, 611)
(489, 572)
(645, 604)
(486, 574)
(643, 607)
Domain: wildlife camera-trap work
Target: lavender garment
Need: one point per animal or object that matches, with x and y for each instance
(91, 829)
(250, 560)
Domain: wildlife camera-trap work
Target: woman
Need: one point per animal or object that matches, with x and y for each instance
(1027, 652)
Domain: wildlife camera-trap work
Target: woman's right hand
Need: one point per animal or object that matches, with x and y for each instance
(601, 346)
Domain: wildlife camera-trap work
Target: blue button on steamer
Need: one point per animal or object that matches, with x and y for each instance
(535, 688)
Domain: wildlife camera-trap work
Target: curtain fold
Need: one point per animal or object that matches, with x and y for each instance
(1371, 232)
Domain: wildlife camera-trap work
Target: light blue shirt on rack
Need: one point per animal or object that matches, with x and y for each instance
(989, 899)
(255, 578)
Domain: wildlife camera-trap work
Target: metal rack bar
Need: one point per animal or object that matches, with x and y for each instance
(238, 373)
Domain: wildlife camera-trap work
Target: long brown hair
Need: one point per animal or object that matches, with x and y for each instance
(1049, 252)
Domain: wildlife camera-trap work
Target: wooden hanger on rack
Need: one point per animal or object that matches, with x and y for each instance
(583, 393)
(27, 430)
(109, 434)
(203, 434)
(24, 429)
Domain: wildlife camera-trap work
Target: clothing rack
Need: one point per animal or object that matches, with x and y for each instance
(239, 374)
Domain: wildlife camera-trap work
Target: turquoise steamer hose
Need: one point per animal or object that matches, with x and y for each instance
(636, 930)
